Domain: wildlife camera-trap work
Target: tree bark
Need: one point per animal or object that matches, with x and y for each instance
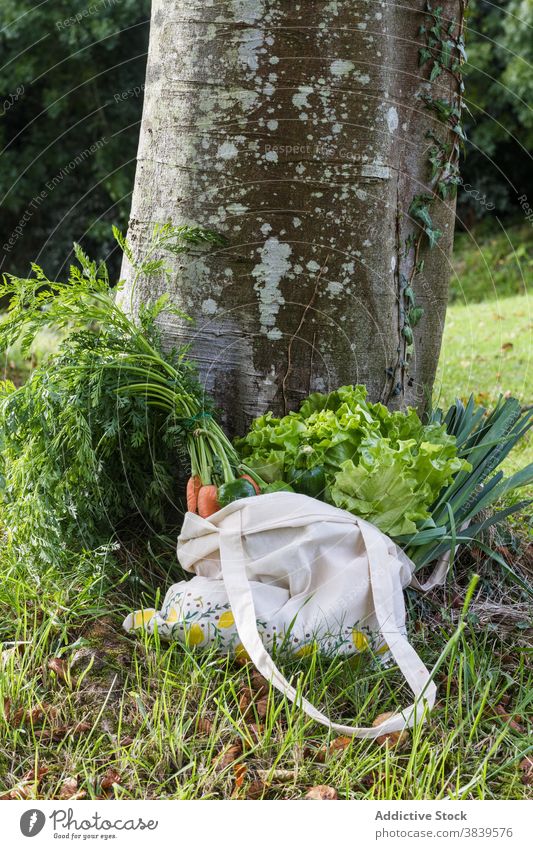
(299, 131)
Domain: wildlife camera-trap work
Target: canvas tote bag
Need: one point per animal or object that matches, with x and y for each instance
(288, 569)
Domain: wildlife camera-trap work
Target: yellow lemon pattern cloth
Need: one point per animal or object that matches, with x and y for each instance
(197, 614)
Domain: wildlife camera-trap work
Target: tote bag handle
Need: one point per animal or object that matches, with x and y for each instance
(233, 566)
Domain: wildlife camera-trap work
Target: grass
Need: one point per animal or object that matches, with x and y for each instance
(492, 262)
(487, 347)
(130, 717)
(161, 718)
(488, 351)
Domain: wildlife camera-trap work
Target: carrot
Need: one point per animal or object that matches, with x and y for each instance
(207, 501)
(254, 484)
(194, 484)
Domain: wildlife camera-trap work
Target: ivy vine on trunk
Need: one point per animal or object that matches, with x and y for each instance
(444, 52)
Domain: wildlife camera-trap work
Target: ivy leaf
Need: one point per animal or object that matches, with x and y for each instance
(433, 235)
(415, 315)
(419, 209)
(443, 108)
(435, 72)
(407, 334)
(423, 55)
(409, 295)
(461, 49)
(446, 53)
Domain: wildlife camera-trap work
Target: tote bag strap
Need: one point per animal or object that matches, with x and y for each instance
(233, 567)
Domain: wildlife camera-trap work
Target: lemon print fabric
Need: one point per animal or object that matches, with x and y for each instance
(359, 640)
(197, 614)
(194, 636)
(141, 618)
(241, 654)
(306, 651)
(227, 620)
(172, 616)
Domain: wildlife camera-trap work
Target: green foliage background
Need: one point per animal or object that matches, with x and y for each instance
(76, 78)
(81, 84)
(499, 90)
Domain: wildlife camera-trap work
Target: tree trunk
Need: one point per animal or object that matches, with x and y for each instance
(299, 131)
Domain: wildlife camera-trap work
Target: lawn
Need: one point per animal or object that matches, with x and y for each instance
(492, 262)
(488, 337)
(90, 712)
(488, 351)
(87, 711)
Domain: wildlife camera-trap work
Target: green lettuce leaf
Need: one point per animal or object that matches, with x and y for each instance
(387, 467)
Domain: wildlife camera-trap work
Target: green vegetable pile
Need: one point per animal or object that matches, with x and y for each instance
(101, 432)
(386, 467)
(108, 428)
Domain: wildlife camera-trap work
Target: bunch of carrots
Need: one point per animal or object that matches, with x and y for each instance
(217, 475)
(214, 457)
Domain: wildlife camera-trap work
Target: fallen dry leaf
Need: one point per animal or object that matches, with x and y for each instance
(59, 732)
(258, 683)
(32, 716)
(69, 786)
(36, 714)
(369, 779)
(316, 754)
(392, 738)
(204, 725)
(526, 767)
(279, 776)
(321, 754)
(110, 778)
(261, 707)
(321, 792)
(240, 771)
(512, 721)
(28, 786)
(245, 700)
(57, 665)
(17, 717)
(38, 776)
(340, 744)
(6, 656)
(22, 790)
(69, 790)
(256, 789)
(230, 754)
